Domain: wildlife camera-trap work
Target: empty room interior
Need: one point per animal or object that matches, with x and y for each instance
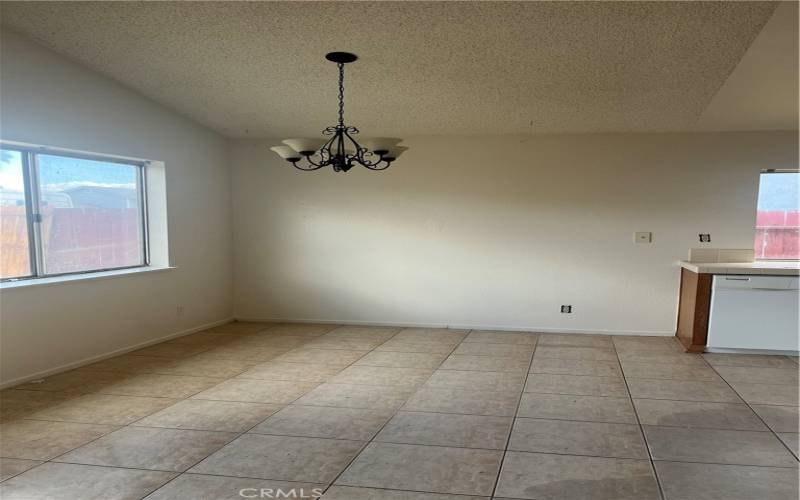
(399, 250)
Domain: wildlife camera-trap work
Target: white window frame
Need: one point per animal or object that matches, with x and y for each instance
(30, 173)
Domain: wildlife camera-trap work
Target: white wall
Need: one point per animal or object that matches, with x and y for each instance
(46, 99)
(495, 231)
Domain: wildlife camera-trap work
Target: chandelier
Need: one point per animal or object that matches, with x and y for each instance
(340, 151)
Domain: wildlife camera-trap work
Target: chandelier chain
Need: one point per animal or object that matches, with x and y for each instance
(341, 94)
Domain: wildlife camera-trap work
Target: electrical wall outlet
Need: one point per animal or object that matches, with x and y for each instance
(179, 311)
(642, 237)
(566, 309)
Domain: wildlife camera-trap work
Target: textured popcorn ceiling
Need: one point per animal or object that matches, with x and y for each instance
(257, 68)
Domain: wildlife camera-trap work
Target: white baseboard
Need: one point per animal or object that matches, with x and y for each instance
(100, 357)
(463, 326)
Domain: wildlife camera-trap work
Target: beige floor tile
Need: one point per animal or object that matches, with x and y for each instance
(588, 353)
(636, 343)
(357, 396)
(486, 364)
(42, 440)
(149, 448)
(565, 437)
(128, 363)
(767, 394)
(16, 404)
(207, 367)
(168, 350)
(502, 337)
(790, 439)
(382, 375)
(300, 372)
(71, 482)
(265, 340)
(635, 369)
(10, 467)
(759, 375)
(201, 415)
(242, 327)
(300, 329)
(440, 429)
(477, 381)
(203, 338)
(431, 335)
(585, 408)
(202, 487)
(755, 360)
(682, 390)
(427, 468)
(73, 382)
(559, 366)
(244, 353)
(580, 340)
(357, 493)
(717, 446)
(779, 418)
(103, 409)
(402, 359)
(281, 457)
(698, 414)
(578, 385)
(346, 343)
(363, 332)
(418, 346)
(497, 350)
(668, 358)
(159, 386)
(257, 391)
(682, 481)
(539, 476)
(358, 424)
(330, 357)
(491, 403)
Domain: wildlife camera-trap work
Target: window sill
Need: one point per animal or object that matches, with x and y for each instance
(71, 278)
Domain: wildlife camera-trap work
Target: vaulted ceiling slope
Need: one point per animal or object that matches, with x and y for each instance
(256, 69)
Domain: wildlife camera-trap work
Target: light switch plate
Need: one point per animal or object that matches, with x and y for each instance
(642, 237)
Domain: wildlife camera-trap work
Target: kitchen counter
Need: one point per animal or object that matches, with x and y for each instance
(773, 268)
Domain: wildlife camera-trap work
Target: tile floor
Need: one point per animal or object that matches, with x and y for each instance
(250, 410)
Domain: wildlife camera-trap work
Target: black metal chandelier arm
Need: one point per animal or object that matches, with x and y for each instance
(313, 167)
(375, 166)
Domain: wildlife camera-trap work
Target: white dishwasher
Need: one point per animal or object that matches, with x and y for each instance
(754, 312)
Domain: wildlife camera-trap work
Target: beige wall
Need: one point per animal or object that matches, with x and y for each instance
(495, 232)
(47, 100)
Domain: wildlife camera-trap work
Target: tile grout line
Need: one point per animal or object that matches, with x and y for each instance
(775, 434)
(641, 428)
(398, 409)
(514, 419)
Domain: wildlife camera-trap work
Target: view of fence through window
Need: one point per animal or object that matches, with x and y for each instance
(91, 215)
(778, 216)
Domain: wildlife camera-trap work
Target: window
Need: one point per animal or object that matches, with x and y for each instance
(64, 213)
(778, 216)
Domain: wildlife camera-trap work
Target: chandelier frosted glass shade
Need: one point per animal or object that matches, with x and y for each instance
(337, 148)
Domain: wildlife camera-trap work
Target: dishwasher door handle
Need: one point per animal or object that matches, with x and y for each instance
(736, 279)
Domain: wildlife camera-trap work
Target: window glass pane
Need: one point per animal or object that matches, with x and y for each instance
(778, 217)
(91, 217)
(14, 244)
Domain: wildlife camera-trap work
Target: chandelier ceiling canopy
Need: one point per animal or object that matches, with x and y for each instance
(340, 150)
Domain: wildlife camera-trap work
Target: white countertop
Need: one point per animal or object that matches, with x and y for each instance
(774, 268)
